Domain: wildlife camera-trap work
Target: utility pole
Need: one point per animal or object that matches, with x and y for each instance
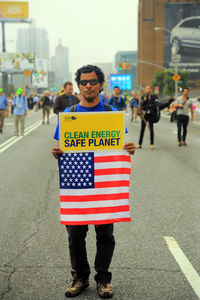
(4, 74)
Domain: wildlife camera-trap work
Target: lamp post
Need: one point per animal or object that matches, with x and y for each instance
(173, 62)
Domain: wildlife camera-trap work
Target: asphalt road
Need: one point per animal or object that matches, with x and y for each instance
(34, 259)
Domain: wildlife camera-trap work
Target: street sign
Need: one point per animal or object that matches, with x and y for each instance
(27, 73)
(13, 10)
(176, 77)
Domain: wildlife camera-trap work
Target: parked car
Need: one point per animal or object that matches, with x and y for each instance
(186, 34)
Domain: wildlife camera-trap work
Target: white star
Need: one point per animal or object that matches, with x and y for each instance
(84, 183)
(73, 184)
(62, 175)
(79, 184)
(68, 184)
(90, 183)
(62, 184)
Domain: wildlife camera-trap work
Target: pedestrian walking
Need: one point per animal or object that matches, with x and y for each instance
(4, 107)
(145, 111)
(116, 100)
(36, 100)
(67, 99)
(20, 110)
(45, 103)
(90, 80)
(134, 108)
(183, 104)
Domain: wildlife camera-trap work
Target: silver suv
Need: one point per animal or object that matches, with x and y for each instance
(186, 34)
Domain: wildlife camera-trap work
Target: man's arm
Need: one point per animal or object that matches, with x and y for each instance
(56, 107)
(192, 112)
(56, 151)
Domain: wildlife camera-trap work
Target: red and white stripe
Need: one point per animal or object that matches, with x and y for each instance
(108, 202)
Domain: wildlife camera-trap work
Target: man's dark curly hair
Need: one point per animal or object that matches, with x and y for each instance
(90, 69)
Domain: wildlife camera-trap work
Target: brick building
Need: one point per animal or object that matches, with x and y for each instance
(151, 14)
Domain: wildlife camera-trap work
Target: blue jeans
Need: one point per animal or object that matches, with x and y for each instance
(182, 121)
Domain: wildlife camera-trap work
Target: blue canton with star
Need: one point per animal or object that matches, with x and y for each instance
(76, 170)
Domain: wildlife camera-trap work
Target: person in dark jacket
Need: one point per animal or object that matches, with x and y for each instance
(65, 100)
(145, 109)
(45, 102)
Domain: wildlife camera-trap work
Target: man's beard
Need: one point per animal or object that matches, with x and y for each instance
(89, 100)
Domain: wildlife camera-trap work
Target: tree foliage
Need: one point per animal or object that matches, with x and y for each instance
(166, 84)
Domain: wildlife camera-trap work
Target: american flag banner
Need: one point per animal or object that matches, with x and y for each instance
(94, 187)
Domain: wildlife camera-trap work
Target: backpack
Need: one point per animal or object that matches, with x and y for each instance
(73, 108)
(121, 101)
(154, 116)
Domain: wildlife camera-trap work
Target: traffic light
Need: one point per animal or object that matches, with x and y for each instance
(123, 66)
(35, 73)
(120, 67)
(54, 88)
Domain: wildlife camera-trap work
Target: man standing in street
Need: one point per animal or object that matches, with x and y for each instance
(65, 100)
(3, 108)
(117, 101)
(90, 80)
(20, 110)
(182, 105)
(145, 110)
(45, 102)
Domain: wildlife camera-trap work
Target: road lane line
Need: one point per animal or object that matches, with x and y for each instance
(4, 146)
(186, 267)
(15, 137)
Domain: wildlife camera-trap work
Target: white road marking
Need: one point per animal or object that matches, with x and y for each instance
(186, 267)
(4, 146)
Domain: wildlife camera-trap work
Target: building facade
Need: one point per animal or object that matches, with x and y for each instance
(60, 65)
(164, 38)
(126, 63)
(33, 39)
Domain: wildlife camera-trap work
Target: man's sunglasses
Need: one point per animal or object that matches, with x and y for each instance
(91, 81)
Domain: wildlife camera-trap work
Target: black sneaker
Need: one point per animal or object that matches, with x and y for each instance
(76, 287)
(1, 131)
(105, 290)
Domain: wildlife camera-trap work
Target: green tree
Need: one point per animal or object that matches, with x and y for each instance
(166, 84)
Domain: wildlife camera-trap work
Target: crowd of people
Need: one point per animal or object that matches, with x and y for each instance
(90, 81)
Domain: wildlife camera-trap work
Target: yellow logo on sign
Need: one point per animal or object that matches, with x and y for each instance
(91, 131)
(176, 77)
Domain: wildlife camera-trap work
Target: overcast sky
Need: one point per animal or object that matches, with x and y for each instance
(94, 30)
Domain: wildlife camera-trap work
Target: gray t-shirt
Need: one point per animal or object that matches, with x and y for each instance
(186, 106)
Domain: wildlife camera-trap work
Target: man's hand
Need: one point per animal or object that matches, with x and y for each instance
(130, 147)
(56, 151)
(192, 119)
